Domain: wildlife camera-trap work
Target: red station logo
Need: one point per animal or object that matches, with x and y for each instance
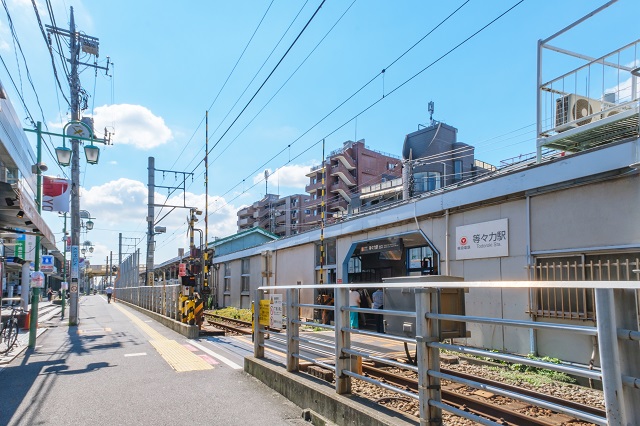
(463, 240)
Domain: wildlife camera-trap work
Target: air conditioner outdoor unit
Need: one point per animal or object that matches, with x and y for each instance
(571, 111)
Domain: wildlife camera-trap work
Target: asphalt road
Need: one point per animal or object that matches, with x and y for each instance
(119, 367)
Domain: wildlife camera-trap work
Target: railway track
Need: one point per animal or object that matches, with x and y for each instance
(229, 325)
(500, 409)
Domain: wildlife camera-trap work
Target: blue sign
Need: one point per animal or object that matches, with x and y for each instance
(46, 265)
(75, 260)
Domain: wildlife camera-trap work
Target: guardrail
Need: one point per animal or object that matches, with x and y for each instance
(617, 358)
(161, 299)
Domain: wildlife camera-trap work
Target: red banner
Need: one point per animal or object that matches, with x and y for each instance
(55, 194)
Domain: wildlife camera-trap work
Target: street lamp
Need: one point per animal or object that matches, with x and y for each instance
(77, 131)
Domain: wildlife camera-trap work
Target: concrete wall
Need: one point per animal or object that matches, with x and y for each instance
(597, 215)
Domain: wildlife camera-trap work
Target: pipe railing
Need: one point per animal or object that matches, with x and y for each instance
(428, 346)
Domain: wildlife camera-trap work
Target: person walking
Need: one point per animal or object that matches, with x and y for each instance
(378, 303)
(109, 292)
(49, 294)
(354, 302)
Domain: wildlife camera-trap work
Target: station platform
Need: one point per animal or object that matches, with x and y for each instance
(120, 367)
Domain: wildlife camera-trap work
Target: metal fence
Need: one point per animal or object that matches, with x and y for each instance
(617, 335)
(576, 303)
(161, 298)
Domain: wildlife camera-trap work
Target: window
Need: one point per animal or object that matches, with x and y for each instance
(227, 277)
(391, 166)
(355, 265)
(457, 170)
(427, 181)
(245, 276)
(577, 303)
(329, 252)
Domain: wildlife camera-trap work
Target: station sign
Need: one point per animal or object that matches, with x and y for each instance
(483, 240)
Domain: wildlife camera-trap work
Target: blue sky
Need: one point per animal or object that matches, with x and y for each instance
(171, 60)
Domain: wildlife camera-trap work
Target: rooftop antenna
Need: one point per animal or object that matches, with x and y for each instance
(431, 108)
(266, 182)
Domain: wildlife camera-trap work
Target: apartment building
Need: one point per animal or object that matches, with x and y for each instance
(348, 169)
(281, 216)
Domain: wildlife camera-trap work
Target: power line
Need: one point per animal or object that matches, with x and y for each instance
(372, 104)
(227, 80)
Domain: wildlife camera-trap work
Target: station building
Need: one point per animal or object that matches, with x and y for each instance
(569, 212)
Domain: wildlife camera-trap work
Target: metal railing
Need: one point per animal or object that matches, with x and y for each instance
(621, 389)
(161, 299)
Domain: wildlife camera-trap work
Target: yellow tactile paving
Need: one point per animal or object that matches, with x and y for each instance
(179, 358)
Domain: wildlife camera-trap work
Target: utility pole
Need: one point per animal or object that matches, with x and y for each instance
(89, 45)
(150, 219)
(152, 230)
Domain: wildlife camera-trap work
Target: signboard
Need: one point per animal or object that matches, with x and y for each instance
(73, 288)
(37, 279)
(182, 269)
(64, 285)
(150, 278)
(275, 311)
(263, 315)
(19, 248)
(46, 265)
(55, 194)
(75, 260)
(482, 240)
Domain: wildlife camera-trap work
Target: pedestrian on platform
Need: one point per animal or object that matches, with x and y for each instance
(378, 303)
(49, 294)
(109, 292)
(354, 302)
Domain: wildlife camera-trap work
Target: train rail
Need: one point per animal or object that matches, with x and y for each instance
(500, 409)
(228, 325)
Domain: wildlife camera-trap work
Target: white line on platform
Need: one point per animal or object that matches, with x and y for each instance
(138, 354)
(215, 355)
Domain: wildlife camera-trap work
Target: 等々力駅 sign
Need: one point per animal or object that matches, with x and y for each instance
(482, 240)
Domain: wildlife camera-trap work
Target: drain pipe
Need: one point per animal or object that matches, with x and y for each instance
(533, 337)
(446, 242)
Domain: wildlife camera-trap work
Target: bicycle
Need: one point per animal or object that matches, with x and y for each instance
(9, 330)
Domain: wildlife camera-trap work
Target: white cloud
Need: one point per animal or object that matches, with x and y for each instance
(623, 90)
(121, 206)
(291, 176)
(134, 125)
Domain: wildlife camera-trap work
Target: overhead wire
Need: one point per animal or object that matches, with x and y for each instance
(373, 103)
(226, 80)
(264, 82)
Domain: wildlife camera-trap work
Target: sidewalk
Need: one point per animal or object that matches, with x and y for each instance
(119, 367)
(47, 312)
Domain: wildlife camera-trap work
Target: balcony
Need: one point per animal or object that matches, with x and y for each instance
(343, 173)
(243, 222)
(340, 205)
(313, 187)
(311, 204)
(346, 160)
(341, 188)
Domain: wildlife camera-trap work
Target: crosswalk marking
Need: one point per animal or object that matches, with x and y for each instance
(215, 355)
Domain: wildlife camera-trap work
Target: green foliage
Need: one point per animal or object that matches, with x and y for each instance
(530, 373)
(235, 313)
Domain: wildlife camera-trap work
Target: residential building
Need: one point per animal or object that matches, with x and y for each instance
(280, 216)
(347, 171)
